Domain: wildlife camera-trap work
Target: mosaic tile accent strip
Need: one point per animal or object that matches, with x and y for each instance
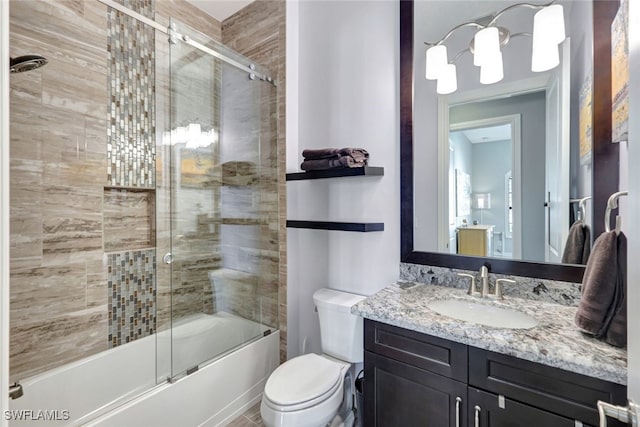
(131, 111)
(131, 282)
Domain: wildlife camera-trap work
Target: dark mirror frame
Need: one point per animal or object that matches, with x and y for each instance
(605, 154)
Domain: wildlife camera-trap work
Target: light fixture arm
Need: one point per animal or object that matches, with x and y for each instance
(453, 30)
(521, 35)
(491, 22)
(462, 52)
(486, 46)
(514, 6)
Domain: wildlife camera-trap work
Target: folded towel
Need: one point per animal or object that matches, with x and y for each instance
(337, 163)
(599, 286)
(358, 154)
(617, 332)
(578, 246)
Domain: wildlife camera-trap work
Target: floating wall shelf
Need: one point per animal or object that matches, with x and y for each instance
(362, 227)
(336, 173)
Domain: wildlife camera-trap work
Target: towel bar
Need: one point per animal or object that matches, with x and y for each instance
(612, 203)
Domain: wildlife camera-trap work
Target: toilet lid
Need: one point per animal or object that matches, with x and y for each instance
(303, 378)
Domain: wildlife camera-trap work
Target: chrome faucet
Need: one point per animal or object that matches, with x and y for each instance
(498, 292)
(484, 278)
(473, 291)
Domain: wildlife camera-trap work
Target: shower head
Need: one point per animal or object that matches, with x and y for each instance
(27, 63)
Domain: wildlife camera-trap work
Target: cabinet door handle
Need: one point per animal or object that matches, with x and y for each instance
(458, 400)
(477, 416)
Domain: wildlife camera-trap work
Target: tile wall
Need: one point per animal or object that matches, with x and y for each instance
(84, 193)
(58, 306)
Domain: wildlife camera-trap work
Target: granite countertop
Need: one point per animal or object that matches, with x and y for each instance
(556, 341)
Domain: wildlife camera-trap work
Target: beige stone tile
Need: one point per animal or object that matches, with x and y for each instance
(129, 220)
(60, 24)
(190, 15)
(38, 294)
(26, 240)
(71, 239)
(25, 87)
(97, 286)
(72, 228)
(95, 14)
(39, 346)
(66, 86)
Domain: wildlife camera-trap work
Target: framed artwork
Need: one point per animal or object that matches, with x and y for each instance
(620, 73)
(586, 119)
(463, 193)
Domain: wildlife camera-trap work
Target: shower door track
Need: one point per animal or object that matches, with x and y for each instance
(250, 69)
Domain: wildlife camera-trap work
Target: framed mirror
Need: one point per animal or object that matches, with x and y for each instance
(516, 211)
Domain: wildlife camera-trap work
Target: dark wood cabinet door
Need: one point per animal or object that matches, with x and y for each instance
(398, 394)
(484, 411)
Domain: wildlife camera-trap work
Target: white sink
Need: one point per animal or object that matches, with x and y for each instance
(483, 314)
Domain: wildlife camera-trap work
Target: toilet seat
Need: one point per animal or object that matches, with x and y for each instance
(303, 382)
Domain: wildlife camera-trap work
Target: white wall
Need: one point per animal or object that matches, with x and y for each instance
(345, 73)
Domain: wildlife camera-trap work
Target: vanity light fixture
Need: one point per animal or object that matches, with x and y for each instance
(486, 46)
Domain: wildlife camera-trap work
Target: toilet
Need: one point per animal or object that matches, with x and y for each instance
(315, 390)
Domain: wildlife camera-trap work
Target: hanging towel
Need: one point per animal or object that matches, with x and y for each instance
(358, 154)
(578, 246)
(599, 286)
(617, 332)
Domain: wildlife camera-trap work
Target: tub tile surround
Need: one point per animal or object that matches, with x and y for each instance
(565, 293)
(58, 157)
(555, 342)
(68, 217)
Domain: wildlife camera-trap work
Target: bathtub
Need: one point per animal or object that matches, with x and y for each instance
(119, 387)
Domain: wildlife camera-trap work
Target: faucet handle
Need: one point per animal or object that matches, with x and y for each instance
(498, 291)
(472, 286)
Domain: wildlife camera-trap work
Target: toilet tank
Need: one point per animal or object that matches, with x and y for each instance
(341, 332)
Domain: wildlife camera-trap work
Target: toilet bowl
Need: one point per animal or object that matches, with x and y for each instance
(306, 391)
(314, 390)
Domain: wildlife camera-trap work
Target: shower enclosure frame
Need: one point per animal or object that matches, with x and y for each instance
(254, 73)
(172, 33)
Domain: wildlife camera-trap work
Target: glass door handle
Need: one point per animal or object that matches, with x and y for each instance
(168, 258)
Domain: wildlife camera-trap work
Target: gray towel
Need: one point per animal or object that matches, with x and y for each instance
(336, 163)
(358, 154)
(599, 286)
(578, 246)
(617, 332)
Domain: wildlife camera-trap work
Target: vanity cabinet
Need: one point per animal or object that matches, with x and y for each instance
(476, 240)
(413, 379)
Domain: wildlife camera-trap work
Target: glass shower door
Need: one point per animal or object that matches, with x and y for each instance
(220, 128)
